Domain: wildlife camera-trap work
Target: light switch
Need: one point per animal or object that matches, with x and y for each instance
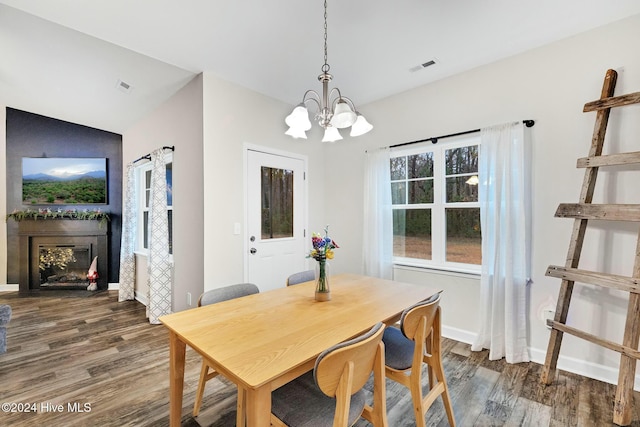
(236, 228)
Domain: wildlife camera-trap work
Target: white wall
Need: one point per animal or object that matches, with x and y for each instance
(235, 116)
(177, 122)
(550, 85)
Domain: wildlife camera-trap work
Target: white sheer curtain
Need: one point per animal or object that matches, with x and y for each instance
(128, 240)
(505, 216)
(160, 277)
(378, 222)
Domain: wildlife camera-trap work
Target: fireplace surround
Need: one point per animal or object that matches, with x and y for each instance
(57, 253)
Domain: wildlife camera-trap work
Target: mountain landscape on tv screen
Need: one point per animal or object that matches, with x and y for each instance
(85, 188)
(69, 177)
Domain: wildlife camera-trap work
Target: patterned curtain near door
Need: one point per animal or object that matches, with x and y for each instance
(160, 277)
(129, 231)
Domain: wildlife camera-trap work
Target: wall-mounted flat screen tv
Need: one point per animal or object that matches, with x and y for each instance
(64, 181)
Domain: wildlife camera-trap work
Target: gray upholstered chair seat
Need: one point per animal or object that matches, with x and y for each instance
(301, 277)
(5, 317)
(398, 349)
(300, 403)
(5, 314)
(333, 393)
(207, 371)
(227, 293)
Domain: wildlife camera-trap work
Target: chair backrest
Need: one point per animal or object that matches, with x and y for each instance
(303, 276)
(355, 358)
(226, 293)
(412, 316)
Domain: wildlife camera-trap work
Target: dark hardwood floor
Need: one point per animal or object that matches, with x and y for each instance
(107, 366)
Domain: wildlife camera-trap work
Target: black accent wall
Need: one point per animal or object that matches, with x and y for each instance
(32, 135)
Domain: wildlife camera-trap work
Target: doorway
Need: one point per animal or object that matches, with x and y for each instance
(275, 217)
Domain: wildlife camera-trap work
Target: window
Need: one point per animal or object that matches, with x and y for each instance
(144, 188)
(436, 214)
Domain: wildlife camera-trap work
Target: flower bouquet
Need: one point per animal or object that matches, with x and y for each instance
(322, 251)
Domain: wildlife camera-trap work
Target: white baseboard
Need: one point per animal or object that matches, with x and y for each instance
(141, 299)
(15, 288)
(137, 296)
(458, 334)
(569, 364)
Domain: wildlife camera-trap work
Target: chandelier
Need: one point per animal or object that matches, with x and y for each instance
(334, 110)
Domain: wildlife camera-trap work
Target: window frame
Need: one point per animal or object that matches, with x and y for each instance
(142, 207)
(438, 207)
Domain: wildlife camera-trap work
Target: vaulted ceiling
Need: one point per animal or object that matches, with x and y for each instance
(69, 58)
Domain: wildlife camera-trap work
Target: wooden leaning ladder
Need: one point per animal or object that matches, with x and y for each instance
(582, 212)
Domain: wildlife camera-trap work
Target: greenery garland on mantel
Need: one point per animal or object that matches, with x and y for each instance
(48, 213)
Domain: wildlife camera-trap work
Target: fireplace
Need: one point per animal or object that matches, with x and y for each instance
(62, 266)
(57, 254)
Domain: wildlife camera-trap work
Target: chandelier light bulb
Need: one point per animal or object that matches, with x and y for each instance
(343, 116)
(296, 133)
(361, 126)
(299, 118)
(331, 134)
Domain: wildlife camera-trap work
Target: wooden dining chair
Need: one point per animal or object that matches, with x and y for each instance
(207, 371)
(332, 394)
(301, 277)
(417, 341)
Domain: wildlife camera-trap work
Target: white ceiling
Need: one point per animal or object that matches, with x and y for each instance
(63, 58)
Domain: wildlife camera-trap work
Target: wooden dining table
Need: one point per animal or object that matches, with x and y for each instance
(265, 340)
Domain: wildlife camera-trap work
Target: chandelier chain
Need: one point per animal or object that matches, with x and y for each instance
(325, 67)
(334, 110)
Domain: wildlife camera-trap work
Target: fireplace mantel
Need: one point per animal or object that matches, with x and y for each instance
(33, 234)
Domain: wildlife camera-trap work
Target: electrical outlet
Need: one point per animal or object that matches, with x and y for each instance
(189, 299)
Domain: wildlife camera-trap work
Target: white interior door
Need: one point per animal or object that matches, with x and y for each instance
(276, 205)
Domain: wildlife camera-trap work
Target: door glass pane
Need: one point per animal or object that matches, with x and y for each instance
(412, 233)
(464, 237)
(276, 203)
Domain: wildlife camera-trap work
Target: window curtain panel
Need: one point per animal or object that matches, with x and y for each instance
(126, 291)
(505, 216)
(378, 221)
(160, 277)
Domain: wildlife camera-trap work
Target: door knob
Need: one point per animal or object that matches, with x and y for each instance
(253, 250)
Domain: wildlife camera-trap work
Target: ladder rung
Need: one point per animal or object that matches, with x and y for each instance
(614, 101)
(610, 160)
(629, 284)
(628, 351)
(602, 212)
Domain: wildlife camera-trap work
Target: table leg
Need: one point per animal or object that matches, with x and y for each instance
(177, 350)
(258, 406)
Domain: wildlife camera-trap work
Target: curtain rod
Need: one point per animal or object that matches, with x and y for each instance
(434, 139)
(148, 156)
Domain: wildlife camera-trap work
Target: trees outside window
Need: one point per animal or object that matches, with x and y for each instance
(436, 215)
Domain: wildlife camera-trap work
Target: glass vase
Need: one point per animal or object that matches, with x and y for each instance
(323, 292)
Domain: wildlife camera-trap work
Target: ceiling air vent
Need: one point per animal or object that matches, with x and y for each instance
(422, 66)
(123, 86)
